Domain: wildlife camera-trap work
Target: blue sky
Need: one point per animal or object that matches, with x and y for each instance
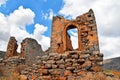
(33, 18)
(39, 7)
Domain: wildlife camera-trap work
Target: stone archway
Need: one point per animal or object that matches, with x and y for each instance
(69, 46)
(72, 37)
(66, 39)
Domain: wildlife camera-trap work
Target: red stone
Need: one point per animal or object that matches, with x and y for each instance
(67, 73)
(87, 33)
(11, 48)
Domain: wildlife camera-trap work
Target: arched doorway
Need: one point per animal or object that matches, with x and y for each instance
(67, 46)
(71, 38)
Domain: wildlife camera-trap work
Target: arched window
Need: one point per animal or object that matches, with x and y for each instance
(71, 38)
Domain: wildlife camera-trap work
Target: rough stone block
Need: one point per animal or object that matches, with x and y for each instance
(67, 73)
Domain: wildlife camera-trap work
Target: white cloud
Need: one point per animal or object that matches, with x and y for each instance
(48, 15)
(15, 24)
(21, 17)
(110, 45)
(44, 15)
(2, 2)
(38, 35)
(107, 18)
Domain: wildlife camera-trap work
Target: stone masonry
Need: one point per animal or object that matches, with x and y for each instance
(61, 61)
(30, 49)
(87, 33)
(11, 48)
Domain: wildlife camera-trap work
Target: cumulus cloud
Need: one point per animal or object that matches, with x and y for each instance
(107, 17)
(38, 34)
(21, 17)
(2, 2)
(15, 25)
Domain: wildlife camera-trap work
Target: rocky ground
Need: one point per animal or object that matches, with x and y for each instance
(45, 68)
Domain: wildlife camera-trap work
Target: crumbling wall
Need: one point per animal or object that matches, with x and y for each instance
(87, 33)
(30, 49)
(11, 48)
(69, 66)
(72, 64)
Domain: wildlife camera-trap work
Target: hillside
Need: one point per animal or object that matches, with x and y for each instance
(2, 54)
(112, 64)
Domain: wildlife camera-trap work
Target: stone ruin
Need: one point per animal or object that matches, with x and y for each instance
(11, 48)
(30, 49)
(87, 33)
(62, 61)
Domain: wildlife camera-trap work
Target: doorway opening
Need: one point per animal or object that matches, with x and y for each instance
(72, 38)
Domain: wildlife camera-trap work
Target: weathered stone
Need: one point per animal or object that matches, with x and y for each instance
(96, 68)
(68, 60)
(30, 49)
(61, 66)
(100, 55)
(93, 57)
(87, 64)
(100, 63)
(62, 78)
(70, 68)
(39, 62)
(11, 48)
(43, 71)
(60, 61)
(45, 77)
(84, 56)
(58, 57)
(74, 60)
(48, 66)
(55, 71)
(45, 57)
(80, 61)
(24, 72)
(53, 54)
(54, 66)
(71, 78)
(75, 64)
(95, 53)
(75, 56)
(67, 73)
(68, 64)
(81, 73)
(23, 77)
(60, 39)
(51, 61)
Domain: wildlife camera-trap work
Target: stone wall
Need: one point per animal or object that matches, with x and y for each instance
(87, 33)
(61, 61)
(66, 66)
(30, 49)
(11, 47)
